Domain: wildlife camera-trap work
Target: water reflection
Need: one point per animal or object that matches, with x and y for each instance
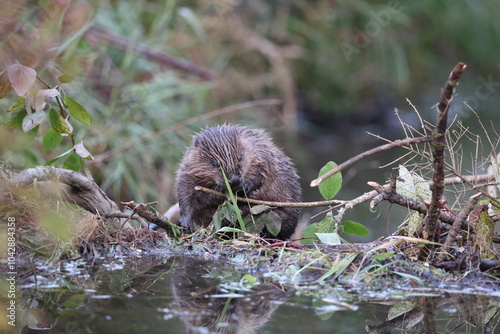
(175, 294)
(206, 306)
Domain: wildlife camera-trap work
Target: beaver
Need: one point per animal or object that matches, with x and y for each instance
(254, 166)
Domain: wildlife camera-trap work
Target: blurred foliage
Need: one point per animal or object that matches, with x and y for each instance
(327, 60)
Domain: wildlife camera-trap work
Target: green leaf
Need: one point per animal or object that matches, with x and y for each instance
(331, 186)
(225, 212)
(254, 224)
(52, 161)
(310, 233)
(236, 209)
(21, 101)
(16, 120)
(339, 268)
(229, 229)
(329, 238)
(58, 123)
(65, 78)
(327, 225)
(221, 213)
(379, 257)
(354, 228)
(73, 162)
(33, 132)
(248, 281)
(273, 222)
(51, 140)
(77, 111)
(74, 301)
(258, 209)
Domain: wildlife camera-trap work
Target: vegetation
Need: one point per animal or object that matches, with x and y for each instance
(80, 84)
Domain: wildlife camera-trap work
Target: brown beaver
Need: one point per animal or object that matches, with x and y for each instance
(254, 167)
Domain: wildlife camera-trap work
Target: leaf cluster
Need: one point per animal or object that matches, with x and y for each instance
(51, 105)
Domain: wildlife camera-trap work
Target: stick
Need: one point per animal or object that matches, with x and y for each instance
(378, 149)
(275, 204)
(438, 145)
(457, 225)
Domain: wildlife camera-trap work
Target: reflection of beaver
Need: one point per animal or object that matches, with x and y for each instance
(254, 167)
(197, 292)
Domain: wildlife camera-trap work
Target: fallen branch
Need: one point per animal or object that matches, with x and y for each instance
(74, 187)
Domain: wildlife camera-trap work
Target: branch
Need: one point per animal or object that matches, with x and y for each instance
(142, 211)
(172, 62)
(394, 197)
(439, 144)
(457, 225)
(373, 151)
(274, 204)
(77, 189)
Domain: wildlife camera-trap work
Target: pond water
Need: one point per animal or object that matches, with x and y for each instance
(179, 294)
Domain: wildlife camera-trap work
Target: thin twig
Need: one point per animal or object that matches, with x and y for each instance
(464, 180)
(378, 149)
(274, 204)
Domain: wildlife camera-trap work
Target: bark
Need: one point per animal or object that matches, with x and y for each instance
(76, 188)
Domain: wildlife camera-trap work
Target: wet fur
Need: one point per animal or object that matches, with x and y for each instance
(253, 165)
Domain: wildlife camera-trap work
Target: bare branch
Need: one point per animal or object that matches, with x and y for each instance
(373, 151)
(457, 225)
(438, 145)
(275, 204)
(142, 211)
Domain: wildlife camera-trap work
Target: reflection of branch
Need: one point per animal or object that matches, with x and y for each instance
(173, 62)
(385, 147)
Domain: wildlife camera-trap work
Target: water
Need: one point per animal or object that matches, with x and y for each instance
(180, 294)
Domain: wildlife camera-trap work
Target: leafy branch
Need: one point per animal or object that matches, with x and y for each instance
(33, 106)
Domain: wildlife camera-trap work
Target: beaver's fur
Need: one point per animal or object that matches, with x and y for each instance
(253, 165)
